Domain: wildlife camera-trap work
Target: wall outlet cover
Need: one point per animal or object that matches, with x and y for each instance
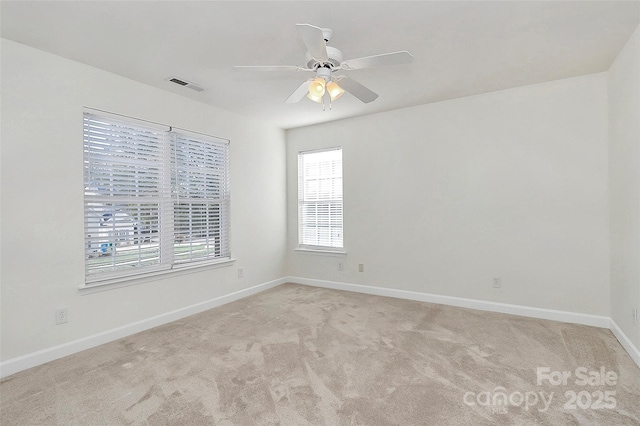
(62, 316)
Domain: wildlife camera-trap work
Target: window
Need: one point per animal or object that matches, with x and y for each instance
(320, 199)
(154, 198)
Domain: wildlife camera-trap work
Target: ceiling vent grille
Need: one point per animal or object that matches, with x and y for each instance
(185, 83)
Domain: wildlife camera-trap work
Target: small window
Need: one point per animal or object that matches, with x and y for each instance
(320, 199)
(154, 198)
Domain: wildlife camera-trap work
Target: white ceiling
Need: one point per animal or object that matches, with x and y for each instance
(460, 48)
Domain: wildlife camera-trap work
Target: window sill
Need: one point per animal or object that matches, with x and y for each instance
(322, 252)
(118, 282)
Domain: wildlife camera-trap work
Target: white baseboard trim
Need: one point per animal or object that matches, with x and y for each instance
(34, 359)
(626, 343)
(482, 305)
(505, 308)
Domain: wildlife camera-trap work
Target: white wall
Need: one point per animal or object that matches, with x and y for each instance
(42, 200)
(624, 186)
(441, 198)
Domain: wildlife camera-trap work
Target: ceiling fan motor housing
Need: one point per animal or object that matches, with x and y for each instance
(324, 73)
(335, 59)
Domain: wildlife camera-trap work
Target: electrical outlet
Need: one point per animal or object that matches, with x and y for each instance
(340, 266)
(62, 316)
(240, 272)
(497, 282)
(361, 267)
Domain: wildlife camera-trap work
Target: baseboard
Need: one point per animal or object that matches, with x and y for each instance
(505, 308)
(34, 359)
(626, 343)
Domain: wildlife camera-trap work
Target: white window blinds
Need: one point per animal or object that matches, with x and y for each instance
(200, 189)
(154, 197)
(320, 199)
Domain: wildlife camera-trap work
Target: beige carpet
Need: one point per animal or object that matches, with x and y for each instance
(297, 355)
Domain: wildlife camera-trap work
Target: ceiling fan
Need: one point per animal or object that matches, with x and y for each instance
(324, 61)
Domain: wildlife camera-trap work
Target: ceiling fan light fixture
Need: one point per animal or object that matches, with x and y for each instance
(317, 87)
(334, 90)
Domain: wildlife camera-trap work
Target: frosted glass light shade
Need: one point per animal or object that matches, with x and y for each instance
(334, 90)
(317, 87)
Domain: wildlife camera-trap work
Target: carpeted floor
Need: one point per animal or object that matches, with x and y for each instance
(298, 355)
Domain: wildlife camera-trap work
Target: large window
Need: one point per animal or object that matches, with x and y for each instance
(155, 198)
(320, 199)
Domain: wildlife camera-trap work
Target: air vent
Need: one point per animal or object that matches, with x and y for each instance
(185, 84)
(180, 82)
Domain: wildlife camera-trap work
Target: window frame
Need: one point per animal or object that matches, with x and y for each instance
(166, 198)
(302, 245)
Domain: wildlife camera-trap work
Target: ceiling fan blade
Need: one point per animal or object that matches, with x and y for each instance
(393, 58)
(299, 93)
(270, 68)
(358, 90)
(313, 38)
